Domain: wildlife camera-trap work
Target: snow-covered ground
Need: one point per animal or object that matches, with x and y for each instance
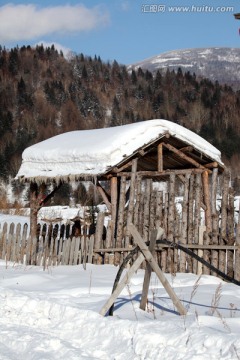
(54, 314)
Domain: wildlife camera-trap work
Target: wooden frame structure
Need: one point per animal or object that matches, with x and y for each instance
(157, 151)
(167, 157)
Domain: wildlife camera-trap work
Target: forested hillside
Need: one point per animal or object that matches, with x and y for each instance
(43, 94)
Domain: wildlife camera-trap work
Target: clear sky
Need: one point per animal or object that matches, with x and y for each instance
(125, 30)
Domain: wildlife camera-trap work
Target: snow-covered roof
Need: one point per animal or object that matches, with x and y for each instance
(94, 152)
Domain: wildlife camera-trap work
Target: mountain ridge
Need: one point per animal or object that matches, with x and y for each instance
(220, 64)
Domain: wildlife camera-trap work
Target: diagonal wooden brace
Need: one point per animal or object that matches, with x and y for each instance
(137, 237)
(122, 284)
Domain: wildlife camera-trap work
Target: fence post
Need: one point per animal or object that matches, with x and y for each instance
(237, 252)
(202, 228)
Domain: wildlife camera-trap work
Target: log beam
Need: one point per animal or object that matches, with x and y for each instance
(105, 195)
(114, 197)
(183, 156)
(160, 157)
(165, 172)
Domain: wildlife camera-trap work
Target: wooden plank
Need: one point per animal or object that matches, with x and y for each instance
(120, 222)
(45, 252)
(76, 250)
(197, 215)
(146, 211)
(122, 284)
(24, 242)
(114, 197)
(50, 254)
(223, 226)
(215, 218)
(160, 247)
(190, 229)
(184, 222)
(71, 251)
(59, 255)
(172, 253)
(28, 250)
(55, 249)
(108, 242)
(158, 271)
(137, 201)
(64, 244)
(67, 251)
(164, 258)
(165, 172)
(40, 251)
(131, 200)
(18, 242)
(13, 249)
(11, 240)
(4, 241)
(99, 230)
(230, 234)
(208, 218)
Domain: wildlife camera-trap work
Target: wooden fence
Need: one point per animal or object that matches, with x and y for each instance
(182, 219)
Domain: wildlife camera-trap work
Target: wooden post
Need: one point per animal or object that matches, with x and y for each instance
(33, 208)
(114, 191)
(197, 215)
(131, 200)
(190, 220)
(98, 237)
(206, 194)
(172, 254)
(215, 220)
(208, 218)
(164, 253)
(146, 214)
(137, 202)
(231, 237)
(202, 229)
(184, 222)
(237, 252)
(120, 223)
(148, 272)
(223, 229)
(160, 157)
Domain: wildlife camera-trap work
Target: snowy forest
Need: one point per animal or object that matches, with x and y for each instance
(42, 94)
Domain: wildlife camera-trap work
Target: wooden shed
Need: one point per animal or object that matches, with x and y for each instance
(131, 158)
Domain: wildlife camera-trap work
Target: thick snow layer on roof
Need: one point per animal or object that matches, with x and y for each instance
(92, 152)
